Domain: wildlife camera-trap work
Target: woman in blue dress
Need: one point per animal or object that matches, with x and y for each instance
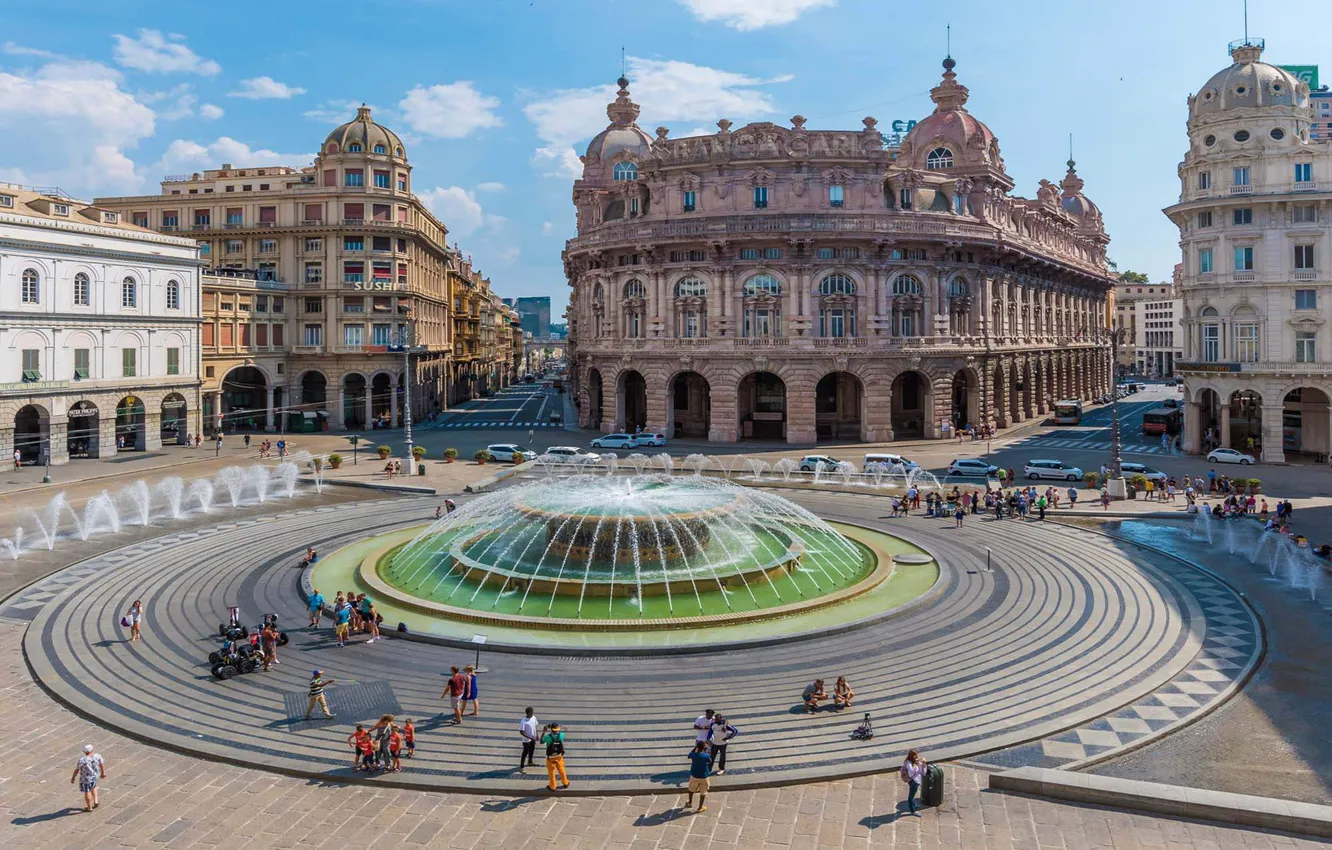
(471, 695)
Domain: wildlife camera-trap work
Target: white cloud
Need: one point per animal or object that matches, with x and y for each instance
(668, 90)
(19, 50)
(450, 111)
(211, 112)
(752, 14)
(161, 54)
(460, 211)
(84, 121)
(335, 111)
(186, 155)
(266, 88)
(490, 187)
(546, 228)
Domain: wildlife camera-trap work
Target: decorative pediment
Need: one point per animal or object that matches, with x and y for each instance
(689, 182)
(760, 177)
(761, 363)
(841, 362)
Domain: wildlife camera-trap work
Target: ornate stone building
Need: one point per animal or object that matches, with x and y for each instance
(786, 283)
(322, 274)
(1254, 218)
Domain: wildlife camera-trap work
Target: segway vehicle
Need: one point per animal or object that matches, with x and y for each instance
(233, 630)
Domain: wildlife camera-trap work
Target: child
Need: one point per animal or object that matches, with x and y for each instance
(358, 741)
(366, 745)
(409, 738)
(395, 748)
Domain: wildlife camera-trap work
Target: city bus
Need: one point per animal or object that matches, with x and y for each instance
(1162, 420)
(1068, 412)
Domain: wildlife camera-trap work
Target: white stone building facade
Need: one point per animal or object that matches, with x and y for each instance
(1158, 338)
(99, 331)
(1255, 221)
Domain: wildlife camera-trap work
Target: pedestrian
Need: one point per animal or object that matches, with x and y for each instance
(531, 435)
(409, 738)
(342, 613)
(1072, 497)
(842, 693)
(361, 746)
(958, 513)
(1040, 508)
(371, 618)
(473, 695)
(439, 511)
(268, 637)
(1105, 499)
(700, 768)
(135, 617)
(527, 731)
(383, 741)
(553, 737)
(282, 448)
(316, 608)
(395, 748)
(719, 735)
(449, 506)
(317, 685)
(913, 774)
(1003, 475)
(247, 441)
(456, 691)
(90, 769)
(702, 724)
(18, 459)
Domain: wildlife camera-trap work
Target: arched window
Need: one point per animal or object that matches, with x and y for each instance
(635, 289)
(354, 147)
(31, 292)
(938, 158)
(958, 288)
(906, 285)
(691, 287)
(173, 295)
(1211, 335)
(625, 171)
(837, 284)
(380, 149)
(332, 147)
(397, 151)
(82, 290)
(129, 293)
(598, 293)
(762, 284)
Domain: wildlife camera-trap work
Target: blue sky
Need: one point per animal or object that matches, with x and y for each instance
(493, 96)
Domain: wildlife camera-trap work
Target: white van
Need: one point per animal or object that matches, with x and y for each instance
(889, 460)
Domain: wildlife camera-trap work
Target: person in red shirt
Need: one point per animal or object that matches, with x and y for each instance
(362, 745)
(409, 738)
(395, 748)
(457, 693)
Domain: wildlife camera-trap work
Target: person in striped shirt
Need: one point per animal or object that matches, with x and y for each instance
(317, 685)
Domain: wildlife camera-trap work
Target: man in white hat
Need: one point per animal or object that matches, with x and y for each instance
(87, 772)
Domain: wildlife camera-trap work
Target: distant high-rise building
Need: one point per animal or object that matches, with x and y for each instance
(535, 315)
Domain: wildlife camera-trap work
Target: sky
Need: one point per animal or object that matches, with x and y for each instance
(495, 99)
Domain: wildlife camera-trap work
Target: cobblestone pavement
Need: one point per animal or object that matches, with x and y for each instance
(155, 798)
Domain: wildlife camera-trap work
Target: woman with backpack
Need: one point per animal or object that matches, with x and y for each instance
(553, 737)
(913, 774)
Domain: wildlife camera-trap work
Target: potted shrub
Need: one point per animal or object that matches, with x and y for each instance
(335, 461)
(450, 455)
(316, 463)
(1139, 483)
(519, 457)
(1255, 486)
(1092, 480)
(383, 451)
(418, 452)
(481, 457)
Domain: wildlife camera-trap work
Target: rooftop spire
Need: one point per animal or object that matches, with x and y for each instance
(949, 95)
(623, 112)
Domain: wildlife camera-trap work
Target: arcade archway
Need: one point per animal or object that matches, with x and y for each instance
(761, 406)
(839, 401)
(130, 435)
(631, 400)
(910, 408)
(689, 410)
(32, 433)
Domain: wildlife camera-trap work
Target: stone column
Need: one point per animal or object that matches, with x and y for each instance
(370, 405)
(338, 414)
(268, 409)
(1225, 425)
(151, 436)
(393, 402)
(722, 425)
(656, 406)
(7, 446)
(1193, 428)
(106, 434)
(1274, 450)
(878, 419)
(58, 444)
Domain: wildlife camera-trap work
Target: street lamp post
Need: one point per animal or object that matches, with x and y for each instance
(1115, 484)
(407, 390)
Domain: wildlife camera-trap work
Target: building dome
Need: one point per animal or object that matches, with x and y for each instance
(1248, 83)
(367, 134)
(622, 134)
(951, 128)
(1073, 202)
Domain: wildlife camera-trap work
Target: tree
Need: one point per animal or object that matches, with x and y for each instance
(1133, 277)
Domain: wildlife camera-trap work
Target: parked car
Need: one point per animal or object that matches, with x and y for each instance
(971, 466)
(1229, 456)
(503, 451)
(809, 462)
(1170, 402)
(1130, 469)
(889, 460)
(615, 441)
(569, 453)
(651, 439)
(1051, 469)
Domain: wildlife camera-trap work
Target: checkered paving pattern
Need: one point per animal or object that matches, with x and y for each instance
(1229, 653)
(1044, 441)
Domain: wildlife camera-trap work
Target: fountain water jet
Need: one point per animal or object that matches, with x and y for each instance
(698, 463)
(173, 493)
(140, 498)
(786, 466)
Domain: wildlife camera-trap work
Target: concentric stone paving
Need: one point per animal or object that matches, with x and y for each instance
(1065, 631)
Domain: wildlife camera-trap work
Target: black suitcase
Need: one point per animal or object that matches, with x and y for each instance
(932, 791)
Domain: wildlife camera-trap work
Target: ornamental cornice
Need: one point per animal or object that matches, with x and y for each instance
(127, 257)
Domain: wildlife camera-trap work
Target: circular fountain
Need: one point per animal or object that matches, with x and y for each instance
(611, 552)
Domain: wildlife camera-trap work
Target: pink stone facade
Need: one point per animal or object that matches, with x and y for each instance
(782, 283)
